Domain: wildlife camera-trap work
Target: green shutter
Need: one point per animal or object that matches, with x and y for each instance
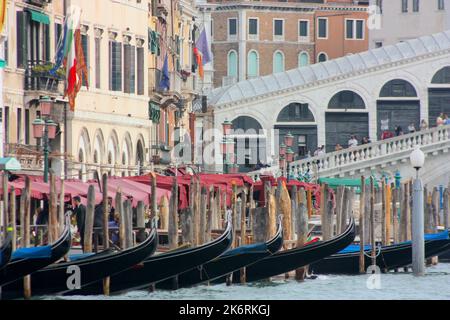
(39, 17)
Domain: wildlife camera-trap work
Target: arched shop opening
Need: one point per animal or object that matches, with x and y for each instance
(398, 105)
(250, 143)
(346, 116)
(297, 119)
(439, 95)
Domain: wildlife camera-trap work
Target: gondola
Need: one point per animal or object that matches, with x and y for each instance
(56, 278)
(25, 261)
(388, 257)
(289, 260)
(232, 260)
(445, 257)
(6, 250)
(164, 266)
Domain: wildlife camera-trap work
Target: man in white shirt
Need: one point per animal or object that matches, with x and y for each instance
(353, 142)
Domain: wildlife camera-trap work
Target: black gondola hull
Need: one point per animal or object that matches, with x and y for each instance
(58, 278)
(163, 266)
(289, 260)
(390, 257)
(6, 251)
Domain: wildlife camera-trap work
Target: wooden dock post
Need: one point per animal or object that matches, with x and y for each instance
(294, 209)
(203, 214)
(61, 206)
(5, 202)
(120, 210)
(106, 281)
(211, 214)
(362, 200)
(164, 213)
(284, 203)
(383, 211)
(372, 221)
(173, 217)
(309, 203)
(13, 217)
(339, 208)
(234, 210)
(128, 223)
(89, 222)
(26, 238)
(408, 211)
(324, 212)
(388, 216)
(243, 276)
(53, 210)
(446, 200)
(301, 229)
(154, 196)
(395, 224)
(436, 207)
(140, 221)
(403, 212)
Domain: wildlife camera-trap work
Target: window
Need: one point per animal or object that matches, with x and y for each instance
(232, 28)
(97, 63)
(232, 64)
(415, 5)
(140, 71)
(346, 100)
(398, 88)
(278, 31)
(115, 67)
(404, 5)
(354, 29)
(323, 28)
(378, 44)
(58, 34)
(19, 124)
(303, 59)
(322, 57)
(303, 30)
(6, 54)
(22, 39)
(253, 64)
(278, 62)
(85, 46)
(27, 126)
(441, 5)
(129, 63)
(253, 28)
(296, 112)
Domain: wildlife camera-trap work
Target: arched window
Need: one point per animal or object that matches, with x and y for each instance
(322, 57)
(303, 59)
(346, 100)
(232, 64)
(296, 112)
(253, 64)
(278, 62)
(246, 123)
(398, 88)
(442, 76)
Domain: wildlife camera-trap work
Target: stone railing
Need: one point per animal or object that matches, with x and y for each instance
(369, 155)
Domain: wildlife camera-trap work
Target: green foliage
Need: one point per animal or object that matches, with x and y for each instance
(44, 70)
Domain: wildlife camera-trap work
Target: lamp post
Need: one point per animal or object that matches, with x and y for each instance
(45, 129)
(417, 159)
(228, 147)
(287, 152)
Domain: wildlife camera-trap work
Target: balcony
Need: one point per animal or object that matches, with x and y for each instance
(161, 152)
(38, 78)
(155, 79)
(31, 158)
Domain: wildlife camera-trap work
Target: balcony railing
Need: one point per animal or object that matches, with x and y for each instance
(155, 76)
(31, 158)
(38, 77)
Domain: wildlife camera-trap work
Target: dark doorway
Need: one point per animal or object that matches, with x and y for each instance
(341, 125)
(439, 102)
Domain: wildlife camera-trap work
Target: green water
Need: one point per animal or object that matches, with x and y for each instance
(404, 286)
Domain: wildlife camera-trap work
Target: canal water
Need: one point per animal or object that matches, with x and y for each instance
(391, 286)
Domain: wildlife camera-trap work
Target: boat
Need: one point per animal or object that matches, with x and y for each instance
(25, 261)
(164, 266)
(387, 257)
(6, 250)
(285, 261)
(62, 277)
(445, 257)
(216, 270)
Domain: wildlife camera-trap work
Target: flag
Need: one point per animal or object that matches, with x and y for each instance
(165, 78)
(199, 61)
(203, 46)
(3, 5)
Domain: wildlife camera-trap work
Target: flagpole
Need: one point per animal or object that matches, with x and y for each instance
(2, 71)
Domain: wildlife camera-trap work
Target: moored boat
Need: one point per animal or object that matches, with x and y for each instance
(6, 250)
(66, 276)
(289, 260)
(387, 257)
(232, 260)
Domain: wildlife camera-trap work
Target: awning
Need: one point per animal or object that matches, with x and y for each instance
(39, 17)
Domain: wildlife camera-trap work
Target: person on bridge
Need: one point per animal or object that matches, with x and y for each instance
(398, 131)
(440, 121)
(353, 142)
(423, 124)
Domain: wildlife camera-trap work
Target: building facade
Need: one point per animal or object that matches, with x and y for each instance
(400, 20)
(364, 94)
(251, 39)
(124, 122)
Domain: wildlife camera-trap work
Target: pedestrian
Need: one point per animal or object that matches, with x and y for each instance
(365, 140)
(338, 147)
(353, 142)
(440, 120)
(321, 151)
(114, 227)
(411, 128)
(423, 124)
(398, 131)
(79, 210)
(446, 120)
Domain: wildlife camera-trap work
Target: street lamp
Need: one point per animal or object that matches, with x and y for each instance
(46, 129)
(289, 158)
(417, 159)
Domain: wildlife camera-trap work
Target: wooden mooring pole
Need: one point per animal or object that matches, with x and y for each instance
(301, 229)
(89, 222)
(106, 281)
(243, 277)
(372, 221)
(26, 231)
(362, 198)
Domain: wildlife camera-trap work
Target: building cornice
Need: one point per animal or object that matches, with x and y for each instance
(337, 78)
